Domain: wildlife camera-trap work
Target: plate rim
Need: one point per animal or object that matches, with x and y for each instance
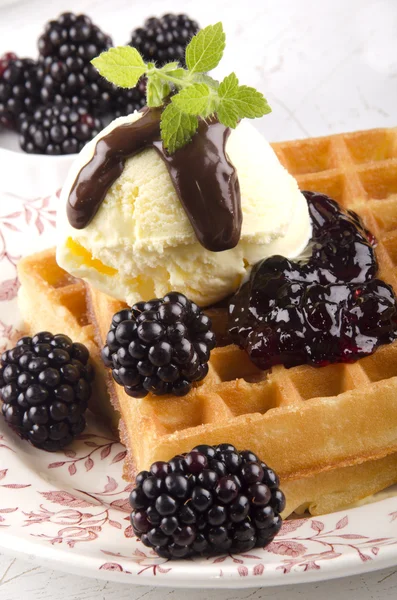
(34, 552)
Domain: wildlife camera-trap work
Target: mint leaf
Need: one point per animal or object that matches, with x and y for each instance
(203, 78)
(179, 77)
(239, 101)
(250, 103)
(228, 86)
(227, 114)
(177, 128)
(195, 99)
(171, 66)
(122, 66)
(156, 91)
(179, 74)
(227, 111)
(205, 50)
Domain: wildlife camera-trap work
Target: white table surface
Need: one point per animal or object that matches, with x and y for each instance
(325, 66)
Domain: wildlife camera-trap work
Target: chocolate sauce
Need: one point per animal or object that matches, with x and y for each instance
(205, 180)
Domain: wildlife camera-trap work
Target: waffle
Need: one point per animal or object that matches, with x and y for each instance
(330, 433)
(52, 300)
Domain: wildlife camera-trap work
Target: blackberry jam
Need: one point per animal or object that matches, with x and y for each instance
(324, 307)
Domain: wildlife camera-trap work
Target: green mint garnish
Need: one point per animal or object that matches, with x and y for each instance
(122, 66)
(177, 127)
(205, 50)
(195, 93)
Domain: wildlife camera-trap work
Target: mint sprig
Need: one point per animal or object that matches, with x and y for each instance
(177, 127)
(123, 66)
(205, 50)
(195, 93)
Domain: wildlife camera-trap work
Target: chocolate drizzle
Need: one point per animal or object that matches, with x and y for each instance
(205, 180)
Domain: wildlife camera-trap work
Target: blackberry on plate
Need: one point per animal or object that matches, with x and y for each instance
(164, 39)
(161, 346)
(107, 99)
(212, 500)
(319, 309)
(59, 129)
(73, 35)
(45, 384)
(5, 61)
(124, 101)
(66, 47)
(19, 89)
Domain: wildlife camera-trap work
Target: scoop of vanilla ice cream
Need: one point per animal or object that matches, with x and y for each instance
(141, 245)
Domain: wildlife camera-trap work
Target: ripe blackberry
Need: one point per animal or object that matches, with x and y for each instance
(125, 101)
(73, 35)
(212, 500)
(5, 61)
(164, 39)
(161, 346)
(19, 89)
(60, 129)
(325, 308)
(66, 47)
(45, 387)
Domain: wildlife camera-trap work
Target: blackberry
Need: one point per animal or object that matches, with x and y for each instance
(161, 346)
(5, 61)
(107, 99)
(19, 89)
(125, 101)
(212, 500)
(327, 307)
(164, 39)
(66, 48)
(60, 129)
(73, 35)
(45, 386)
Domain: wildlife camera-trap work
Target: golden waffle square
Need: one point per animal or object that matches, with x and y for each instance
(52, 300)
(330, 433)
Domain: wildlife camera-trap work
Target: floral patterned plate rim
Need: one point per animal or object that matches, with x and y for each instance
(70, 510)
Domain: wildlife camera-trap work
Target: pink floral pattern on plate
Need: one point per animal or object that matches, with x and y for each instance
(71, 508)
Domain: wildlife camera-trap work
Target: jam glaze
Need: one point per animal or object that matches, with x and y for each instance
(204, 179)
(324, 307)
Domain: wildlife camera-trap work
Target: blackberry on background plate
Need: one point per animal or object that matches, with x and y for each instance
(72, 35)
(124, 101)
(164, 39)
(161, 346)
(104, 98)
(45, 385)
(66, 48)
(59, 129)
(319, 309)
(19, 89)
(64, 76)
(67, 45)
(212, 500)
(5, 60)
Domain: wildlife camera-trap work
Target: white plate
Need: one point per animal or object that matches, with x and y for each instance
(29, 175)
(70, 509)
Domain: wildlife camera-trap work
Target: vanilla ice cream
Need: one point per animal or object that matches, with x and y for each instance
(141, 245)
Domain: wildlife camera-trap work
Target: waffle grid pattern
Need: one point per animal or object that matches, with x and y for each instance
(309, 424)
(358, 170)
(56, 291)
(52, 300)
